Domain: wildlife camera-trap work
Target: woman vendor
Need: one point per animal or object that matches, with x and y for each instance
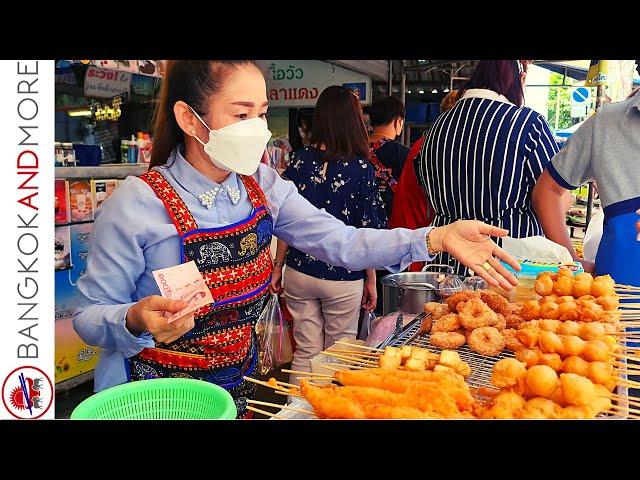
(206, 198)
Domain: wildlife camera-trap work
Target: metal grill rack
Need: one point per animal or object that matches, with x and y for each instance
(481, 366)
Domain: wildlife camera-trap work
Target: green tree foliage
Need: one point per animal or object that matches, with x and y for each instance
(559, 96)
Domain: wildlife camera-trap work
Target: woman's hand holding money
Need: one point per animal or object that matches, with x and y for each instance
(149, 315)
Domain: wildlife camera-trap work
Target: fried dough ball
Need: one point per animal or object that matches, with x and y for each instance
(505, 405)
(550, 342)
(575, 365)
(565, 299)
(551, 298)
(447, 323)
(508, 372)
(569, 328)
(583, 277)
(592, 331)
(596, 351)
(611, 342)
(556, 397)
(543, 286)
(461, 296)
(495, 301)
(530, 310)
(550, 325)
(603, 399)
(541, 380)
(587, 298)
(549, 310)
(590, 311)
(552, 360)
(563, 286)
(577, 390)
(602, 286)
(608, 302)
(447, 340)
(581, 288)
(545, 407)
(510, 340)
(476, 314)
(568, 311)
(529, 356)
(528, 336)
(486, 341)
(572, 345)
(564, 272)
(600, 372)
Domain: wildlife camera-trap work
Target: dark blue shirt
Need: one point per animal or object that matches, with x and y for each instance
(348, 191)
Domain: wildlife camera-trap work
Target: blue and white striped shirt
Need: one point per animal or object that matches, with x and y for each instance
(481, 160)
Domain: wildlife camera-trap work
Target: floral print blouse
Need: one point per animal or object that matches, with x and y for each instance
(348, 191)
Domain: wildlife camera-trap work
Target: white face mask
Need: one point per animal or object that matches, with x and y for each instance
(237, 147)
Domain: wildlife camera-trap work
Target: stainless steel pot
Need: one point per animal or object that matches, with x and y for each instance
(407, 292)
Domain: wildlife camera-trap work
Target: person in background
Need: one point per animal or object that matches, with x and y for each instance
(481, 159)
(411, 208)
(388, 156)
(334, 174)
(304, 121)
(605, 150)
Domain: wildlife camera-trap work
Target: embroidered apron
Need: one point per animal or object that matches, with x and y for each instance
(235, 261)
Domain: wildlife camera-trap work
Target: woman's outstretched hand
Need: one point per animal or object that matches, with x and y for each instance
(468, 242)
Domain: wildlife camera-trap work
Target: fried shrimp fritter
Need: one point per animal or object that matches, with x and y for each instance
(447, 340)
(447, 323)
(495, 302)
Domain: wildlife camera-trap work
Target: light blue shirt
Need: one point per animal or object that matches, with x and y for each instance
(133, 235)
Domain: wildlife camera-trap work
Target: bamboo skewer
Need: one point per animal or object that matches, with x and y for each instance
(266, 384)
(280, 392)
(339, 342)
(628, 400)
(352, 360)
(351, 367)
(621, 286)
(283, 407)
(309, 374)
(625, 409)
(358, 354)
(264, 412)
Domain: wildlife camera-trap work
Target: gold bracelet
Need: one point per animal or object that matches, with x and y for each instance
(430, 249)
(276, 263)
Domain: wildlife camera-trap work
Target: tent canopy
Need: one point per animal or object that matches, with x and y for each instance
(576, 69)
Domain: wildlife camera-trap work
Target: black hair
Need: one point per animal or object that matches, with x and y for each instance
(384, 110)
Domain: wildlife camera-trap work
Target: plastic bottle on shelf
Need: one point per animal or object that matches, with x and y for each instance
(124, 151)
(132, 153)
